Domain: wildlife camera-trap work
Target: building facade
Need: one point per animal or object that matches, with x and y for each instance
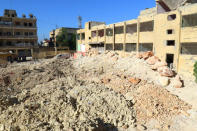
(17, 31)
(169, 33)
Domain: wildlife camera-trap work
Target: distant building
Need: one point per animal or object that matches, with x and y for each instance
(17, 32)
(54, 33)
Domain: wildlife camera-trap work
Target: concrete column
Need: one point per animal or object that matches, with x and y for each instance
(138, 34)
(105, 38)
(114, 37)
(124, 44)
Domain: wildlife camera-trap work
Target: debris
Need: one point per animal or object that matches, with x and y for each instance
(163, 81)
(134, 81)
(152, 60)
(165, 71)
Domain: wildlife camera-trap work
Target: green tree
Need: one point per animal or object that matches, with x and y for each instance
(195, 70)
(66, 39)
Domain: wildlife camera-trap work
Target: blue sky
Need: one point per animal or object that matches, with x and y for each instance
(63, 13)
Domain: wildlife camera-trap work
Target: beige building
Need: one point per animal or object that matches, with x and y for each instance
(54, 33)
(169, 30)
(17, 31)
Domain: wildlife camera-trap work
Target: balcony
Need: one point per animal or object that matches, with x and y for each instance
(19, 37)
(10, 25)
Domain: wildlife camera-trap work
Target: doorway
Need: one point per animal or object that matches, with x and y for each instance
(170, 60)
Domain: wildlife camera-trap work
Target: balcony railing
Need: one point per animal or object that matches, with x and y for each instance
(16, 26)
(19, 36)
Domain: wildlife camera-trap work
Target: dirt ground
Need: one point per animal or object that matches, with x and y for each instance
(109, 91)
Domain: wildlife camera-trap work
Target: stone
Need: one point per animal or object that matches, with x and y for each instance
(134, 81)
(105, 80)
(141, 127)
(147, 54)
(129, 96)
(1, 127)
(158, 64)
(163, 81)
(177, 84)
(139, 55)
(165, 71)
(152, 60)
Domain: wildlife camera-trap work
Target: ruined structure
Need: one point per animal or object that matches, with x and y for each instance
(169, 30)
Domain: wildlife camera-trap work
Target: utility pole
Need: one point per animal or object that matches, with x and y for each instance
(79, 21)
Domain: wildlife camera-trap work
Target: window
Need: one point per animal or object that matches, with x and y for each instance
(109, 47)
(26, 33)
(170, 60)
(189, 20)
(93, 33)
(130, 47)
(131, 28)
(83, 36)
(8, 43)
(170, 43)
(146, 26)
(9, 33)
(18, 33)
(31, 33)
(109, 32)
(30, 24)
(13, 15)
(189, 48)
(118, 47)
(18, 23)
(101, 33)
(170, 31)
(78, 36)
(143, 47)
(1, 33)
(119, 30)
(25, 24)
(171, 17)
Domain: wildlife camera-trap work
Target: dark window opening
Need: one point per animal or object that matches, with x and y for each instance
(119, 30)
(9, 43)
(31, 33)
(118, 47)
(131, 28)
(147, 26)
(189, 20)
(170, 60)
(9, 33)
(18, 23)
(144, 47)
(109, 32)
(83, 36)
(89, 38)
(25, 24)
(13, 15)
(78, 36)
(101, 33)
(18, 33)
(99, 47)
(170, 31)
(130, 47)
(172, 17)
(1, 33)
(26, 33)
(109, 47)
(189, 48)
(30, 24)
(170, 43)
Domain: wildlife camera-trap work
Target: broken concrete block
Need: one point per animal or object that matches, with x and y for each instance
(158, 64)
(165, 71)
(134, 81)
(163, 81)
(152, 60)
(148, 54)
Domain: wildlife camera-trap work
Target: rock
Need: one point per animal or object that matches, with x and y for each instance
(139, 55)
(148, 54)
(7, 80)
(158, 64)
(163, 81)
(1, 127)
(177, 84)
(134, 81)
(129, 96)
(165, 71)
(152, 60)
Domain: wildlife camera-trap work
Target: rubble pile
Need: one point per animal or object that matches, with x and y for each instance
(101, 91)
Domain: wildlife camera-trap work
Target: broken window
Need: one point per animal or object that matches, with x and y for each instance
(93, 34)
(25, 24)
(189, 48)
(130, 47)
(170, 31)
(143, 47)
(83, 36)
(131, 28)
(109, 32)
(119, 30)
(118, 47)
(30, 24)
(101, 33)
(99, 46)
(171, 17)
(170, 43)
(109, 47)
(189, 20)
(146, 26)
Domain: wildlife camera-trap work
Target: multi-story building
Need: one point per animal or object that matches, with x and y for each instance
(169, 30)
(54, 33)
(17, 31)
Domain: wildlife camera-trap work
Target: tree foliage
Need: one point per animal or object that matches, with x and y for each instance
(66, 39)
(195, 70)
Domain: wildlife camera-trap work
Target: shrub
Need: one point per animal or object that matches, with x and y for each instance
(195, 70)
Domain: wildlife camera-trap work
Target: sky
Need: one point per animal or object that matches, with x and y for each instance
(63, 13)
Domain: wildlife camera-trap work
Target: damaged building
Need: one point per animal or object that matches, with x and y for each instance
(169, 30)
